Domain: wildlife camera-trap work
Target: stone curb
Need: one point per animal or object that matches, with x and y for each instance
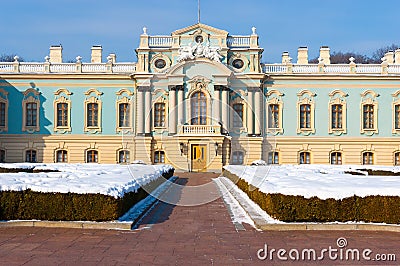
(66, 224)
(330, 227)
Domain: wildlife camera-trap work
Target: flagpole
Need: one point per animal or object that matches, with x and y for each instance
(198, 11)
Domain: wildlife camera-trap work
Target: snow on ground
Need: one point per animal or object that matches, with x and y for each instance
(108, 179)
(322, 181)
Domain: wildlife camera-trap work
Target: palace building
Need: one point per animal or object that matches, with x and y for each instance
(199, 99)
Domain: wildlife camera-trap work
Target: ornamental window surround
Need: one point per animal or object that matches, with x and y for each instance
(62, 111)
(396, 113)
(3, 110)
(369, 113)
(124, 110)
(238, 113)
(337, 113)
(93, 111)
(305, 112)
(274, 112)
(30, 111)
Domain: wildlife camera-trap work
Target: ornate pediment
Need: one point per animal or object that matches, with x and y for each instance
(198, 50)
(190, 30)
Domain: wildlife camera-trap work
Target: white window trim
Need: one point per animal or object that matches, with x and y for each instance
(371, 100)
(4, 99)
(124, 96)
(93, 96)
(62, 96)
(31, 96)
(338, 97)
(306, 97)
(275, 97)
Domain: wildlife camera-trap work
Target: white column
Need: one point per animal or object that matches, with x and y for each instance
(180, 105)
(225, 109)
(139, 112)
(257, 112)
(172, 112)
(147, 113)
(216, 105)
(250, 108)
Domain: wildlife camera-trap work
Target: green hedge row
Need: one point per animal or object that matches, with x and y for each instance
(377, 209)
(29, 205)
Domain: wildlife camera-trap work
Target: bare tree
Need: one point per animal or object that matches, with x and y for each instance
(379, 53)
(9, 58)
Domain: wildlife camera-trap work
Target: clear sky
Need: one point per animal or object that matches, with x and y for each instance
(29, 27)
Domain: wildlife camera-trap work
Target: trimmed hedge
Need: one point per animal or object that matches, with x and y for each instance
(287, 208)
(29, 205)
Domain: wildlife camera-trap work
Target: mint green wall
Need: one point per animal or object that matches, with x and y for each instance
(78, 89)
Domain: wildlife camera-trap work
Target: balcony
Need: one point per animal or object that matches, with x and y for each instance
(200, 130)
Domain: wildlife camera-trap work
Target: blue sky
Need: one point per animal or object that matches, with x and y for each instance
(29, 27)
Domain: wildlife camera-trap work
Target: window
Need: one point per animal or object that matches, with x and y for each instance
(62, 105)
(123, 119)
(237, 157)
(397, 116)
(305, 112)
(61, 156)
(92, 113)
(337, 116)
(368, 158)
(336, 158)
(30, 156)
(199, 108)
(31, 114)
(92, 156)
(337, 113)
(92, 105)
(305, 116)
(123, 156)
(397, 158)
(159, 157)
(2, 156)
(3, 114)
(238, 115)
(159, 115)
(304, 157)
(62, 114)
(273, 157)
(274, 109)
(273, 116)
(368, 116)
(369, 113)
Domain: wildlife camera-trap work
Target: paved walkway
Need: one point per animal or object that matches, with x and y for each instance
(184, 235)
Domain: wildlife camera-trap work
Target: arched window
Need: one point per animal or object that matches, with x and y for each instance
(273, 157)
(159, 157)
(61, 156)
(368, 158)
(336, 158)
(123, 156)
(237, 157)
(30, 156)
(304, 157)
(397, 158)
(198, 103)
(92, 156)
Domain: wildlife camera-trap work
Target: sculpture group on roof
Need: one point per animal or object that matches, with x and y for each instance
(196, 50)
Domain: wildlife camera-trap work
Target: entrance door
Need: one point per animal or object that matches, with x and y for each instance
(199, 158)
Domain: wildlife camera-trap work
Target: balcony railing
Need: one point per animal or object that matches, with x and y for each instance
(200, 130)
(238, 41)
(95, 68)
(160, 41)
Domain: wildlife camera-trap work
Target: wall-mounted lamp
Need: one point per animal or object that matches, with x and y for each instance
(181, 147)
(216, 148)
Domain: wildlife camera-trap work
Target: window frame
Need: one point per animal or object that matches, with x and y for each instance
(92, 96)
(337, 97)
(4, 100)
(306, 97)
(338, 157)
(370, 156)
(31, 152)
(396, 158)
(158, 155)
(369, 98)
(62, 96)
(124, 96)
(126, 156)
(234, 160)
(30, 96)
(273, 157)
(306, 158)
(3, 155)
(94, 155)
(64, 156)
(160, 121)
(274, 97)
(236, 115)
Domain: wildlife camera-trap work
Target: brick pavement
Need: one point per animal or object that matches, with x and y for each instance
(180, 235)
